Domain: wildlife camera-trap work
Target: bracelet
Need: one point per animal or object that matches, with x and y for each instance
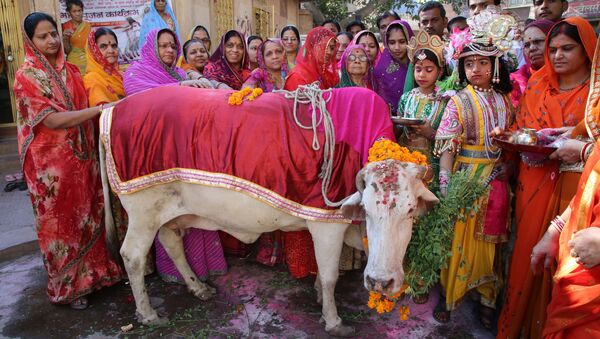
(584, 151)
(558, 223)
(101, 108)
(444, 175)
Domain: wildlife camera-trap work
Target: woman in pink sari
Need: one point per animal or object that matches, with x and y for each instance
(157, 68)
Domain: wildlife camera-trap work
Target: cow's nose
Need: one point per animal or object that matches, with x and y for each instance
(379, 285)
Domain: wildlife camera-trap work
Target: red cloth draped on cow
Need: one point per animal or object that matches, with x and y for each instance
(194, 135)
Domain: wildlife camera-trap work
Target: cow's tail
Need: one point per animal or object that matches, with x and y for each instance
(112, 243)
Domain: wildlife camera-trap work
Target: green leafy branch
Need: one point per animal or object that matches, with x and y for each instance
(430, 246)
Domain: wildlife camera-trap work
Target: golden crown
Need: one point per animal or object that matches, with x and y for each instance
(424, 41)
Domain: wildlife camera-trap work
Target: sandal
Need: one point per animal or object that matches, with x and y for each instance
(11, 186)
(486, 316)
(80, 303)
(22, 185)
(11, 183)
(421, 299)
(440, 314)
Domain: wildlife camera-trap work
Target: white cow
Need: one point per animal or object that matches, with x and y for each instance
(390, 194)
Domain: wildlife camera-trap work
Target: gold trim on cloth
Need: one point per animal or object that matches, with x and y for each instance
(210, 179)
(475, 154)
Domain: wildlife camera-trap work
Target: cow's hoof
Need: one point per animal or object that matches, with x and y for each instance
(342, 330)
(211, 289)
(154, 320)
(204, 294)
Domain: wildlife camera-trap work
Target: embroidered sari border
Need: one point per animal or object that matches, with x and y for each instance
(209, 179)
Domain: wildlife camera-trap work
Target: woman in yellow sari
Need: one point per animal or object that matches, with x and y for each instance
(75, 35)
(103, 80)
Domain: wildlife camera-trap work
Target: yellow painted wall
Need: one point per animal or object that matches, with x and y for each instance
(191, 13)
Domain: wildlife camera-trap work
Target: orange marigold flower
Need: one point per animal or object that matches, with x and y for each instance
(385, 149)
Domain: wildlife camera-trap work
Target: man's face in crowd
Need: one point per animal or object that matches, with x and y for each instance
(476, 6)
(549, 9)
(432, 22)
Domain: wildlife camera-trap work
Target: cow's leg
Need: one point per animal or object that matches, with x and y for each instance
(328, 239)
(319, 289)
(173, 245)
(137, 243)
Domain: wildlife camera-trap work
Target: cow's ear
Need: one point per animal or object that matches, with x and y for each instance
(352, 208)
(425, 199)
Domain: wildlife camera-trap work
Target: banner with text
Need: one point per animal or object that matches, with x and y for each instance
(124, 17)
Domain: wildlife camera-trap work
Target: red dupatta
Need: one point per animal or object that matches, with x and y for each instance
(41, 89)
(311, 63)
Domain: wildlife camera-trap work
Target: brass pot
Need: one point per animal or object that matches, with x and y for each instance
(526, 136)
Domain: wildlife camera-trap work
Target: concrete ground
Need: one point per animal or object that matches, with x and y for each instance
(253, 301)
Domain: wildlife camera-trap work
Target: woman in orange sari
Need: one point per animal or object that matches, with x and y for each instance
(103, 80)
(75, 35)
(574, 311)
(555, 97)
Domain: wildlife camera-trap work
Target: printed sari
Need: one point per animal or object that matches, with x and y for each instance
(574, 311)
(474, 260)
(219, 69)
(78, 42)
(62, 172)
(260, 77)
(541, 184)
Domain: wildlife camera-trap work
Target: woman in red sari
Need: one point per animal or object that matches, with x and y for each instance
(316, 61)
(544, 187)
(60, 162)
(574, 311)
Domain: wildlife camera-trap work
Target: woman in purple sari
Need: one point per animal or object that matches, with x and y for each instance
(157, 64)
(157, 68)
(393, 66)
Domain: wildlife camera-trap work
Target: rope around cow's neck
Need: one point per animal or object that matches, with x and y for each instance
(313, 95)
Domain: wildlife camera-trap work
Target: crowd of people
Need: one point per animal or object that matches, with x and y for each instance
(465, 84)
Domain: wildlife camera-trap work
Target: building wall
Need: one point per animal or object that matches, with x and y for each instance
(190, 13)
